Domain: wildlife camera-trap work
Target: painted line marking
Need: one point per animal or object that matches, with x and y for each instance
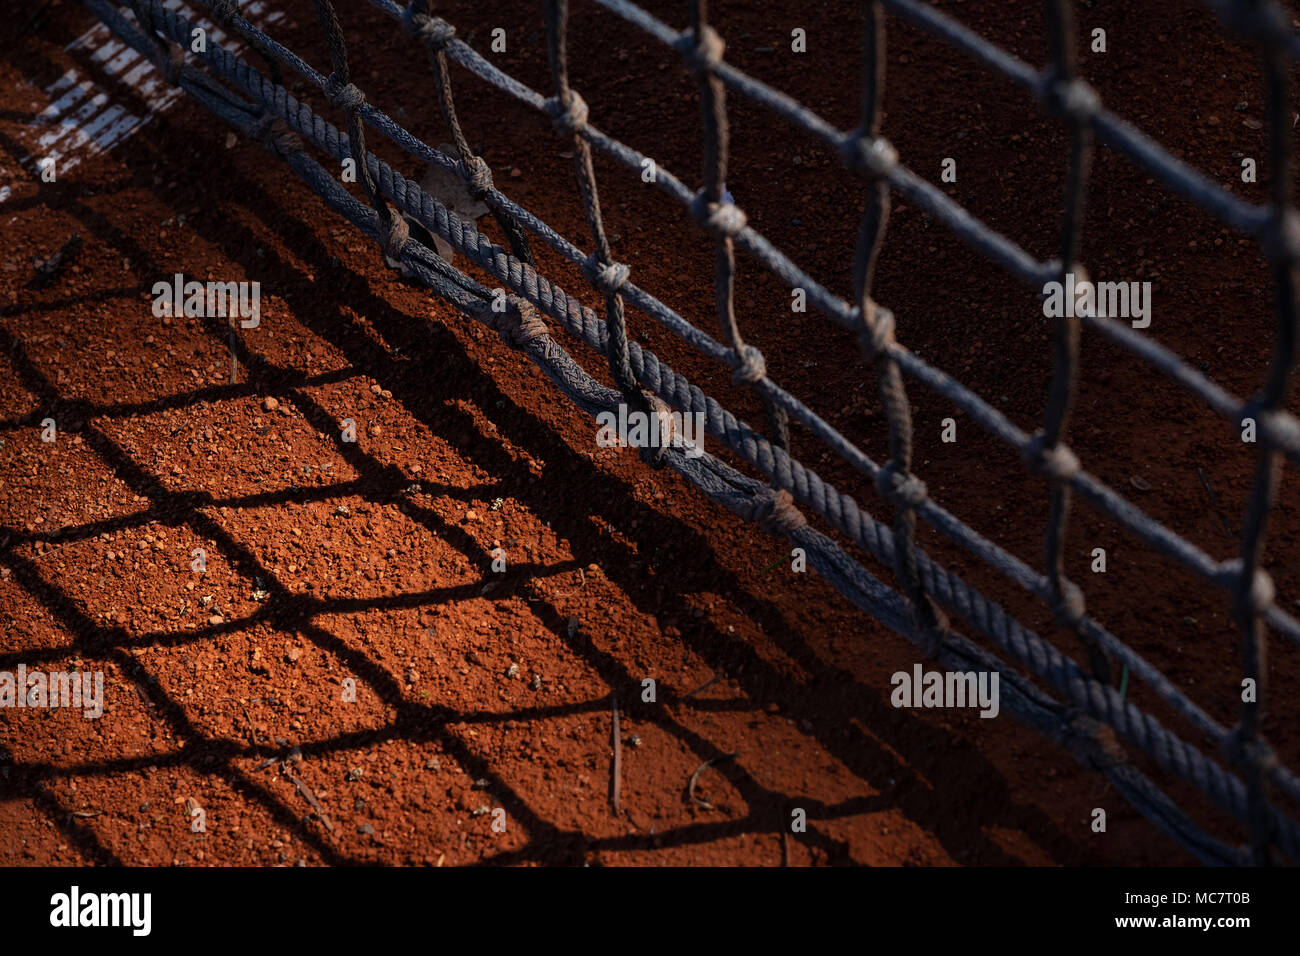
(86, 115)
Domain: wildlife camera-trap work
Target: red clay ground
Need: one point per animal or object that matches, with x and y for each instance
(617, 572)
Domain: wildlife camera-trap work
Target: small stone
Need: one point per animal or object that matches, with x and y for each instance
(537, 682)
(376, 431)
(270, 404)
(516, 172)
(215, 619)
(634, 740)
(356, 773)
(480, 810)
(471, 515)
(1140, 483)
(512, 671)
(433, 763)
(366, 829)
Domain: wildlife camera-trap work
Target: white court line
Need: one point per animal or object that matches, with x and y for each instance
(86, 114)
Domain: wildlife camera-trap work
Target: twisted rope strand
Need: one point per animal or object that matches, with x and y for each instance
(895, 481)
(1091, 699)
(1103, 498)
(435, 33)
(1047, 453)
(569, 113)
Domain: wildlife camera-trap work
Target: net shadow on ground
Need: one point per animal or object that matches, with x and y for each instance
(723, 653)
(391, 373)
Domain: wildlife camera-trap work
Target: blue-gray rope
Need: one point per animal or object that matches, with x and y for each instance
(1276, 427)
(524, 330)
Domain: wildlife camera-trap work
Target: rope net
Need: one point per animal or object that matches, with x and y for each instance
(1074, 705)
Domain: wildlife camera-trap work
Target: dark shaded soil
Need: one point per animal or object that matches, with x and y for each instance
(375, 557)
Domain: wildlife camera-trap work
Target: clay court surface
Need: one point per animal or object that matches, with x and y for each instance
(371, 561)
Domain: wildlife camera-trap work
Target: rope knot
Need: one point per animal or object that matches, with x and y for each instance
(703, 52)
(1249, 600)
(570, 118)
(1077, 293)
(346, 96)
(608, 277)
(1245, 751)
(663, 415)
(1068, 604)
(435, 31)
(874, 156)
(223, 10)
(1057, 462)
(902, 490)
(272, 132)
(173, 65)
(930, 636)
(877, 332)
(750, 366)
(479, 176)
(1281, 240)
(518, 325)
(398, 233)
(1091, 741)
(724, 218)
(1074, 100)
(774, 512)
